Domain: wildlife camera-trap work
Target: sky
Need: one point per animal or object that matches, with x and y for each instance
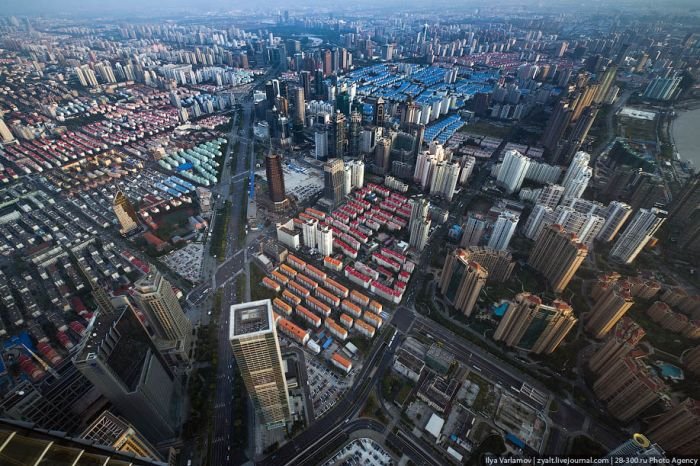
(160, 7)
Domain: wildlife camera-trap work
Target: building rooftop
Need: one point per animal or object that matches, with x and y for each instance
(24, 443)
(252, 317)
(409, 360)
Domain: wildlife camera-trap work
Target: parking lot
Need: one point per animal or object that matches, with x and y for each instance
(187, 261)
(326, 385)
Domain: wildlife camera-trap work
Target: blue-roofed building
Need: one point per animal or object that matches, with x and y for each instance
(515, 441)
(455, 232)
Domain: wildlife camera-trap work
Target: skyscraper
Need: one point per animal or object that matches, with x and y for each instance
(628, 388)
(663, 87)
(336, 147)
(126, 215)
(473, 230)
(557, 255)
(52, 403)
(321, 142)
(113, 431)
(512, 171)
(419, 223)
(499, 264)
(343, 102)
(123, 363)
(86, 76)
(355, 130)
(444, 179)
(334, 180)
(173, 330)
(637, 447)
(579, 132)
(609, 309)
(503, 230)
(319, 85)
(461, 281)
(685, 217)
(642, 227)
(26, 444)
(327, 62)
(582, 100)
(299, 105)
(577, 175)
(378, 119)
(530, 325)
(308, 232)
(305, 81)
(324, 240)
(648, 190)
(556, 126)
(678, 429)
(253, 337)
(618, 345)
(382, 153)
(606, 82)
(616, 215)
(275, 179)
(585, 226)
(686, 203)
(357, 168)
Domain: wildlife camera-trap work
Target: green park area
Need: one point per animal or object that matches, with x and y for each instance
(217, 243)
(257, 290)
(396, 388)
(486, 128)
(637, 129)
(485, 401)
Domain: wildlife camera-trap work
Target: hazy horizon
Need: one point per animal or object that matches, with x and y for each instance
(166, 7)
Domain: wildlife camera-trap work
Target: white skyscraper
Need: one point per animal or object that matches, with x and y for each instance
(503, 230)
(512, 171)
(616, 215)
(534, 224)
(642, 227)
(347, 186)
(419, 224)
(467, 163)
(308, 233)
(444, 180)
(86, 76)
(173, 330)
(324, 240)
(358, 173)
(426, 167)
(321, 142)
(577, 175)
(585, 226)
(253, 337)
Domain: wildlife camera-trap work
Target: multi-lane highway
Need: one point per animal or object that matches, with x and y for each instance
(223, 424)
(521, 386)
(526, 390)
(324, 430)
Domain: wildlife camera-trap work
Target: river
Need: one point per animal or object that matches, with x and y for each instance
(686, 135)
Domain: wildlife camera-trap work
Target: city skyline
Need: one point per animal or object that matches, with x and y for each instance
(327, 233)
